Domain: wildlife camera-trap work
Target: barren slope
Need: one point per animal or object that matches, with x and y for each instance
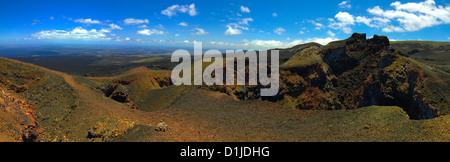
(38, 104)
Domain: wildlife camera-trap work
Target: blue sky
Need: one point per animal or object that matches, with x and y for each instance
(249, 24)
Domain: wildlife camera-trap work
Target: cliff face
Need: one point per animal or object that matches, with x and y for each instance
(359, 72)
(348, 74)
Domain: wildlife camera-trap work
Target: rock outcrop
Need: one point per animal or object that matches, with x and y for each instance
(121, 90)
(347, 74)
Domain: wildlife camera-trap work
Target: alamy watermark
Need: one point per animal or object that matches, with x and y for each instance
(181, 74)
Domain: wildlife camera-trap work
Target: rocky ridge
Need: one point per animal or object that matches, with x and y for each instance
(348, 74)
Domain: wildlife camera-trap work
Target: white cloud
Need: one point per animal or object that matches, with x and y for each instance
(245, 9)
(150, 32)
(35, 22)
(344, 20)
(245, 21)
(390, 28)
(330, 33)
(142, 26)
(250, 44)
(183, 24)
(221, 43)
(318, 25)
(322, 41)
(200, 32)
(236, 28)
(363, 19)
(345, 4)
(114, 27)
(77, 33)
(192, 10)
(267, 44)
(132, 21)
(274, 14)
(279, 30)
(87, 21)
(51, 18)
(232, 30)
(262, 31)
(412, 16)
(160, 26)
(176, 35)
(376, 22)
(172, 10)
(127, 39)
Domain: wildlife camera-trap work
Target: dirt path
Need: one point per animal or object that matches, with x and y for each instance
(138, 70)
(202, 115)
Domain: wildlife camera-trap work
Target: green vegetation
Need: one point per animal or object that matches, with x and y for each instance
(137, 56)
(385, 123)
(109, 128)
(432, 43)
(55, 100)
(303, 58)
(147, 60)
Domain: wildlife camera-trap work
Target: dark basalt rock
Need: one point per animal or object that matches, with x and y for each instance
(30, 134)
(352, 73)
(356, 37)
(379, 40)
(120, 97)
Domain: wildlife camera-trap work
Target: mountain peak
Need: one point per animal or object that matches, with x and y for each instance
(361, 37)
(382, 40)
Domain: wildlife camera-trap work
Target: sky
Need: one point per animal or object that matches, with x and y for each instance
(244, 24)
